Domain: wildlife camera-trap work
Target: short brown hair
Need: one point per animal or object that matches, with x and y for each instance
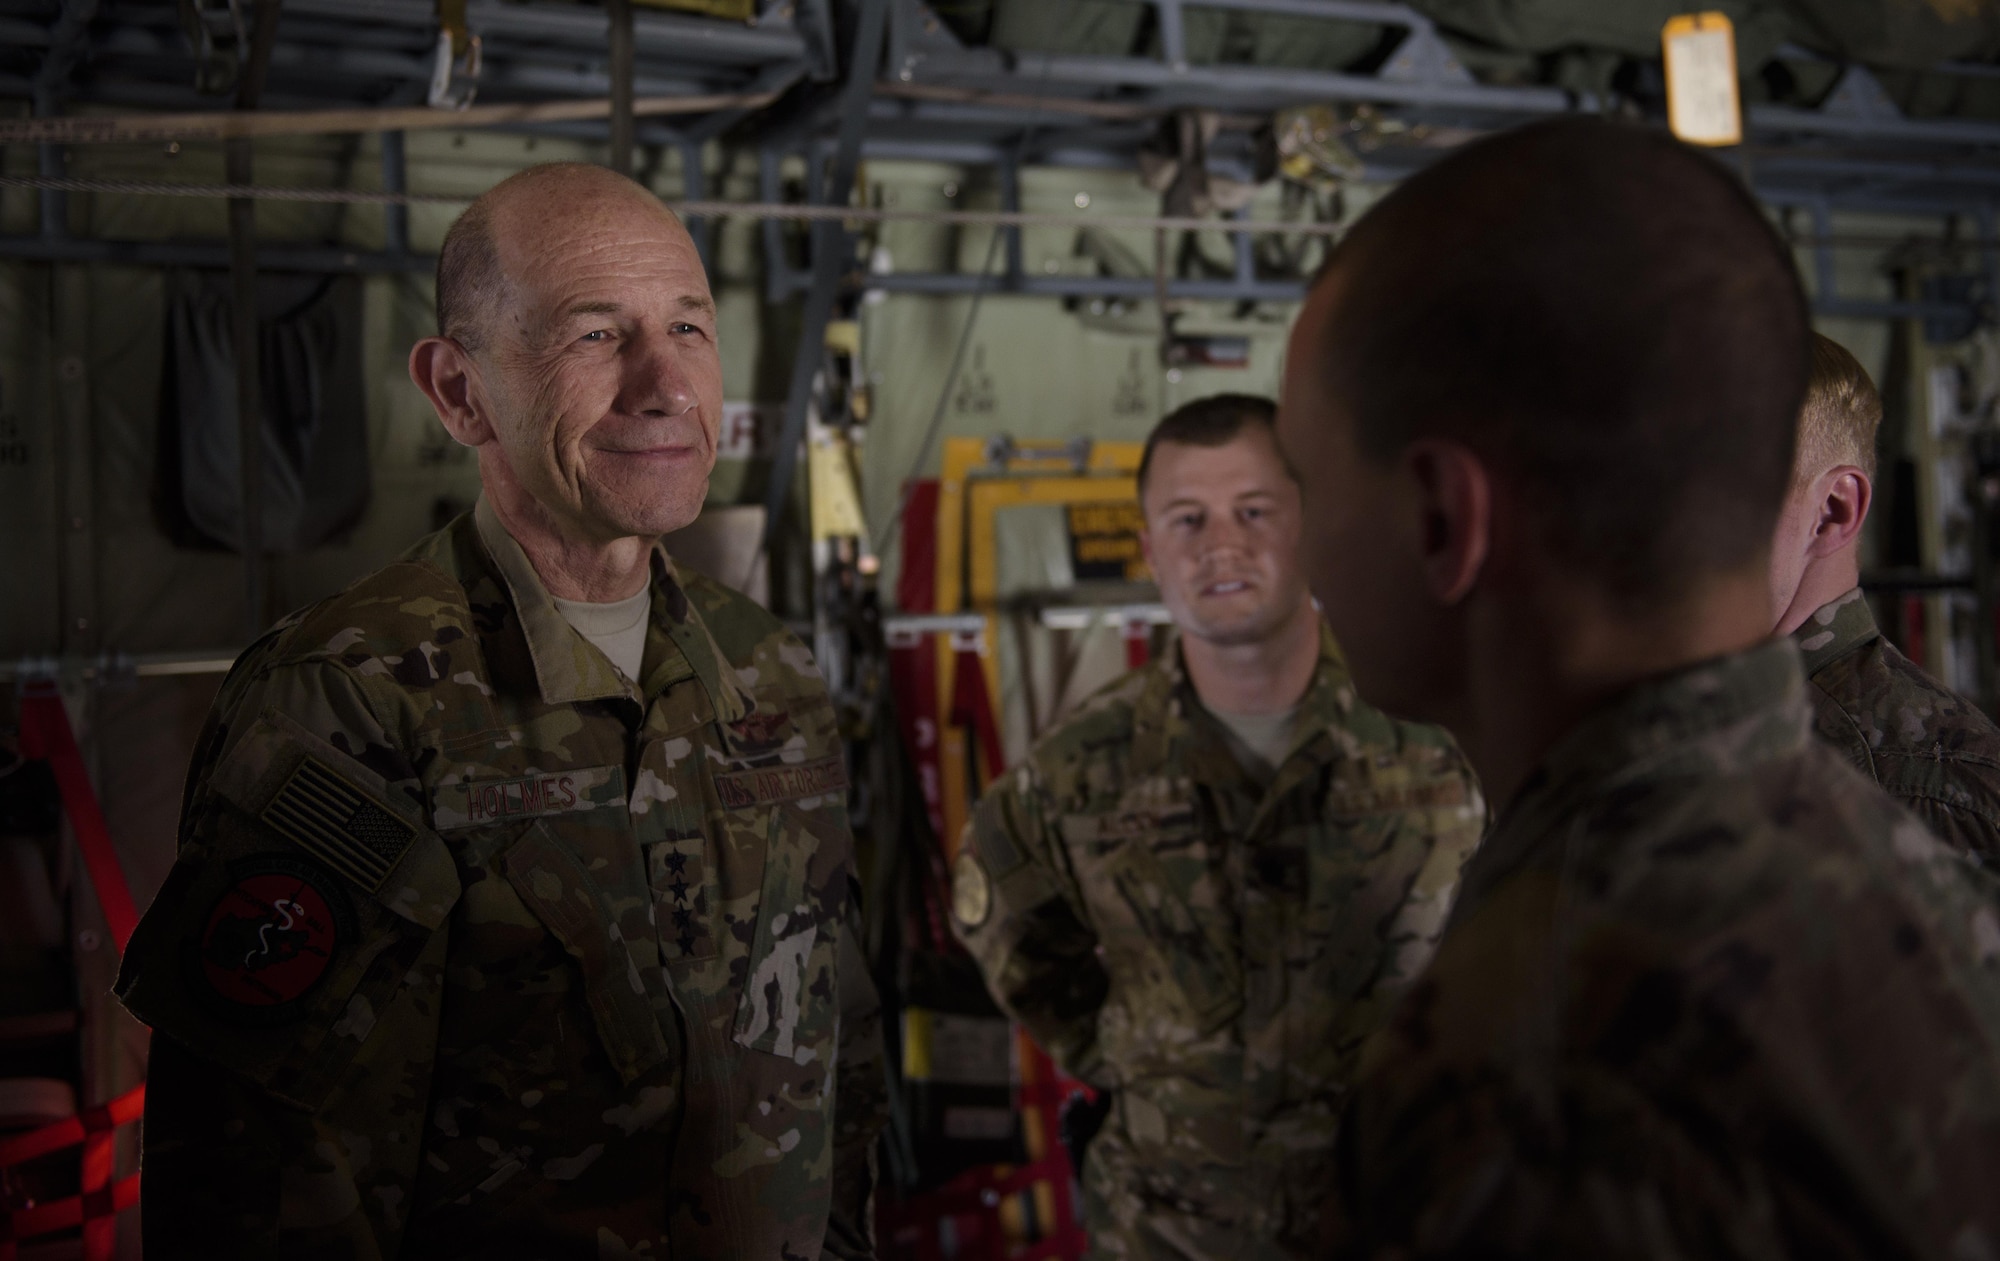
(1604, 313)
(1841, 414)
(1211, 422)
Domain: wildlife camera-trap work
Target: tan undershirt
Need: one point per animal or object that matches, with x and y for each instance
(618, 629)
(1259, 741)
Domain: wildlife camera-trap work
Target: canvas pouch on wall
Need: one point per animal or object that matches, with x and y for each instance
(315, 435)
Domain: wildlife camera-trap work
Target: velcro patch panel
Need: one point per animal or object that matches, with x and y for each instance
(329, 818)
(741, 790)
(478, 802)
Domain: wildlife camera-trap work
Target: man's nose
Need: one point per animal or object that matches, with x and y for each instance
(653, 381)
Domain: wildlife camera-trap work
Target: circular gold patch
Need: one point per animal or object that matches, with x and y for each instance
(971, 891)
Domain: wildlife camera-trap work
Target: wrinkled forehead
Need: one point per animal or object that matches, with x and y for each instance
(541, 242)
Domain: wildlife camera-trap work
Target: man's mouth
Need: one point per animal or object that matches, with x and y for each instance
(1227, 587)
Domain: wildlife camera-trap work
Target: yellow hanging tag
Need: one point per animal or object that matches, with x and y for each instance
(836, 502)
(1702, 102)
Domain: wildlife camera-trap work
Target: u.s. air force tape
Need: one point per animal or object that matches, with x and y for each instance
(327, 817)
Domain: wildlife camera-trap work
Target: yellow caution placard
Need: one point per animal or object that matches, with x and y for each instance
(1703, 104)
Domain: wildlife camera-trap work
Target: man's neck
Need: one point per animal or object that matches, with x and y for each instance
(1825, 580)
(598, 571)
(1534, 680)
(1265, 677)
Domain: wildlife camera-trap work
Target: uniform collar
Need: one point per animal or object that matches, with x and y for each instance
(1836, 628)
(1162, 715)
(1723, 716)
(569, 668)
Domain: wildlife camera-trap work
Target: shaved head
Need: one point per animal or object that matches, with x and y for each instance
(1603, 312)
(473, 277)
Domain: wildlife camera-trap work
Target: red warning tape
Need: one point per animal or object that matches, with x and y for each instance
(46, 734)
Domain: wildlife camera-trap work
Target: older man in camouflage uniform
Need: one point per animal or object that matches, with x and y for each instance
(1203, 890)
(513, 915)
(1927, 746)
(1706, 992)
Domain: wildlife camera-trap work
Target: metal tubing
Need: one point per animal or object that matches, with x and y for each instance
(1246, 261)
(212, 255)
(620, 35)
(1010, 201)
(395, 179)
(243, 285)
(581, 27)
(829, 248)
(1173, 34)
(1243, 81)
(1825, 277)
(694, 187)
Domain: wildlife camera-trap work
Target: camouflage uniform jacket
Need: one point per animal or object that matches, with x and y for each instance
(1213, 952)
(475, 948)
(1706, 993)
(1927, 746)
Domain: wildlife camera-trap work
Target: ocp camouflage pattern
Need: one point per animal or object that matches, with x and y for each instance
(1707, 992)
(1212, 951)
(594, 1008)
(1927, 746)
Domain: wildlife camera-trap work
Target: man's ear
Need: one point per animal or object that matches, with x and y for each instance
(1454, 502)
(444, 370)
(1844, 495)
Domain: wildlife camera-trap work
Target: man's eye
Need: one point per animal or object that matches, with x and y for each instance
(687, 328)
(596, 335)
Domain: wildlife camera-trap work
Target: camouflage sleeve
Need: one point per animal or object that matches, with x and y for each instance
(1017, 910)
(861, 1104)
(1966, 828)
(290, 968)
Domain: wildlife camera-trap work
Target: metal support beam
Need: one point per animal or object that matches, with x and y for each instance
(694, 187)
(621, 84)
(1173, 34)
(213, 255)
(68, 40)
(830, 250)
(1010, 201)
(395, 179)
(243, 284)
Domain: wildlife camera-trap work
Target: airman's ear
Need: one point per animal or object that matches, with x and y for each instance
(1455, 503)
(445, 371)
(1844, 494)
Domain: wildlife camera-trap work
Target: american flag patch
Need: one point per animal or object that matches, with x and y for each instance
(330, 819)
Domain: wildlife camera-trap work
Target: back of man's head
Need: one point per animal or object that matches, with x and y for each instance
(1841, 414)
(1606, 317)
(1209, 422)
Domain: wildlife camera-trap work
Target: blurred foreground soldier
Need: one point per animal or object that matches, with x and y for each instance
(1706, 992)
(1204, 889)
(1927, 746)
(513, 912)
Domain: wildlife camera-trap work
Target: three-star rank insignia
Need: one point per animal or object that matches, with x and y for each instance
(270, 938)
(678, 873)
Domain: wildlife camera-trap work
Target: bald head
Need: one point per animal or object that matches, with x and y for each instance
(484, 246)
(577, 353)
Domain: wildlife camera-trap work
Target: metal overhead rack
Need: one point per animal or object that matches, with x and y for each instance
(888, 79)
